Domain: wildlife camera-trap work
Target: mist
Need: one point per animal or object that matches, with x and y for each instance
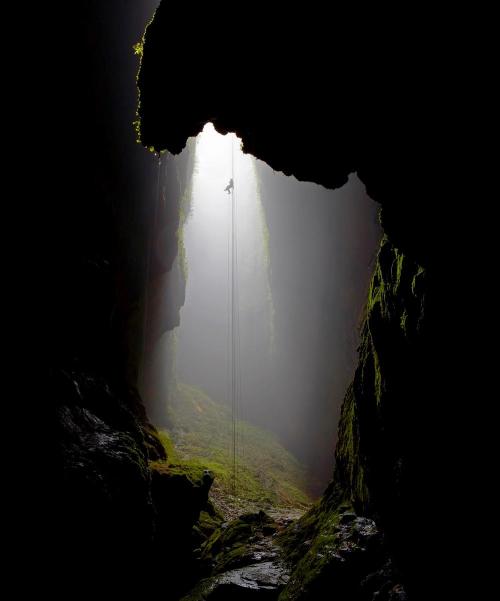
(281, 307)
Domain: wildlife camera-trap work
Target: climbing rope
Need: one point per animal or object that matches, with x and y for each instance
(234, 328)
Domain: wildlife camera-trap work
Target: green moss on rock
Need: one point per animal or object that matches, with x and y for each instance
(232, 544)
(268, 474)
(369, 446)
(325, 552)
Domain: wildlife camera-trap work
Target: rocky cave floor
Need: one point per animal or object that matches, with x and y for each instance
(254, 555)
(208, 547)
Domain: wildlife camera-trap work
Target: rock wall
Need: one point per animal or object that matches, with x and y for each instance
(309, 103)
(371, 458)
(382, 470)
(353, 110)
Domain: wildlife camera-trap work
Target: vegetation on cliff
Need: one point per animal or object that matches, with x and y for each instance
(268, 475)
(330, 547)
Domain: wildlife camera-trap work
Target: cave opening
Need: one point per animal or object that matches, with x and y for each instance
(273, 274)
(314, 95)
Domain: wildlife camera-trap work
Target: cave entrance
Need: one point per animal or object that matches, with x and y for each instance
(274, 274)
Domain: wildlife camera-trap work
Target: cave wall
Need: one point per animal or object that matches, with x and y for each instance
(89, 512)
(312, 93)
(319, 108)
(322, 248)
(308, 105)
(382, 464)
(165, 280)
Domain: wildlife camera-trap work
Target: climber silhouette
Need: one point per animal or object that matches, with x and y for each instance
(229, 187)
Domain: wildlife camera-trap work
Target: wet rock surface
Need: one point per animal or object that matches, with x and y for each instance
(182, 520)
(243, 561)
(121, 505)
(102, 459)
(342, 556)
(338, 555)
(256, 581)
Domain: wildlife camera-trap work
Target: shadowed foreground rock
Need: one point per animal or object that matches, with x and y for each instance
(257, 581)
(337, 554)
(326, 554)
(243, 560)
(402, 456)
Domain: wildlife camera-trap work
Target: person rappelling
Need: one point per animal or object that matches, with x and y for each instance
(229, 187)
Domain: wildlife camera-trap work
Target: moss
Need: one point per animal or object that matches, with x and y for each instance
(213, 545)
(377, 293)
(194, 471)
(403, 321)
(138, 48)
(237, 532)
(416, 278)
(267, 474)
(237, 556)
(378, 381)
(310, 545)
(232, 545)
(398, 268)
(168, 445)
(366, 435)
(208, 524)
(349, 467)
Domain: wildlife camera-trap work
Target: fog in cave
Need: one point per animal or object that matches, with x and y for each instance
(281, 302)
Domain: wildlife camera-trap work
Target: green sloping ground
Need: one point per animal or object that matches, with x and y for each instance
(201, 433)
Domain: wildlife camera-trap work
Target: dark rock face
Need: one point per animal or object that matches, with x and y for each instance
(91, 514)
(179, 495)
(244, 541)
(376, 426)
(100, 511)
(243, 561)
(307, 103)
(396, 447)
(335, 553)
(381, 465)
(382, 470)
(120, 507)
(326, 554)
(256, 581)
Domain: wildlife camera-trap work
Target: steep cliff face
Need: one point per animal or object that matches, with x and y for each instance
(94, 512)
(165, 286)
(382, 402)
(375, 473)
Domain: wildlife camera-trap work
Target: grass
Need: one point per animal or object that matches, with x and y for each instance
(268, 475)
